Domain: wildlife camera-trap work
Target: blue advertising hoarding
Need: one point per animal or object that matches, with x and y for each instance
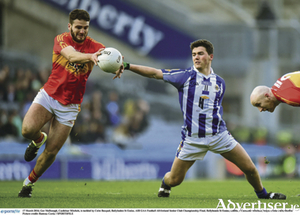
(17, 169)
(95, 169)
(143, 32)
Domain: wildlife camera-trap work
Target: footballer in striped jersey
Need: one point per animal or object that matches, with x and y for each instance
(200, 93)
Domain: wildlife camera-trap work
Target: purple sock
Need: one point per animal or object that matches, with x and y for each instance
(261, 194)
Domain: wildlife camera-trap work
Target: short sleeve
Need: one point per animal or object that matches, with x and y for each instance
(60, 41)
(176, 77)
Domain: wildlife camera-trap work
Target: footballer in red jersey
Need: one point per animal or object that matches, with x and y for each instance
(67, 81)
(285, 90)
(58, 102)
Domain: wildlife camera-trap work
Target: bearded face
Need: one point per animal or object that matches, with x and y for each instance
(79, 30)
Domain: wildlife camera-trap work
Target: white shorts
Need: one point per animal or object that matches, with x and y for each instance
(65, 114)
(196, 148)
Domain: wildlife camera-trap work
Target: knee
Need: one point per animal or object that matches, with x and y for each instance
(27, 132)
(30, 131)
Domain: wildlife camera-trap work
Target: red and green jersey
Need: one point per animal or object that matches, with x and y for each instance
(67, 81)
(287, 88)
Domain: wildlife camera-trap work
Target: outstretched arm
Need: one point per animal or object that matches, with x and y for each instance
(146, 71)
(74, 56)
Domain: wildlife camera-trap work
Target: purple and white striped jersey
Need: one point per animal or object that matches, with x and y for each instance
(200, 99)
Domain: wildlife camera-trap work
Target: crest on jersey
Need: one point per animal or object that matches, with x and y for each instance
(77, 69)
(217, 88)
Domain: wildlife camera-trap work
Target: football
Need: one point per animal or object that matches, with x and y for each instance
(110, 60)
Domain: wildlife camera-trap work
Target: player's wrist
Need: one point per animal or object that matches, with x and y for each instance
(126, 65)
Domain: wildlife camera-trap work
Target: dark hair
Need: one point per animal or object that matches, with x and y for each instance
(78, 14)
(205, 43)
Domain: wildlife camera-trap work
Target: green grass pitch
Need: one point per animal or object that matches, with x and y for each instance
(140, 194)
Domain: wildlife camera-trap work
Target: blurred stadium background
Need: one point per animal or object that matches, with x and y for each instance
(130, 128)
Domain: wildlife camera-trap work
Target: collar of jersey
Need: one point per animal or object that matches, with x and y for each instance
(211, 71)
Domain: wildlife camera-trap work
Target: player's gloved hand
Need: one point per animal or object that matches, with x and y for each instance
(126, 65)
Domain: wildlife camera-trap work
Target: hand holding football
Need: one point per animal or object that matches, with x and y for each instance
(110, 60)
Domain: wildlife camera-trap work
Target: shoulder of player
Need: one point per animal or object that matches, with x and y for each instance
(173, 71)
(63, 36)
(91, 40)
(295, 73)
(218, 77)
